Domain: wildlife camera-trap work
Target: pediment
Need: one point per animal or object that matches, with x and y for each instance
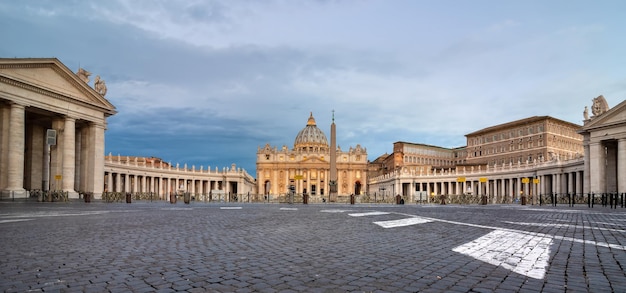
(50, 77)
(612, 117)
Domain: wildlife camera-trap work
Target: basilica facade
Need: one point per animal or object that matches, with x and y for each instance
(309, 167)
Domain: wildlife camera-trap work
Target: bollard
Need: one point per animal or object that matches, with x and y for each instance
(593, 199)
(87, 197)
(569, 199)
(483, 200)
(443, 199)
(187, 197)
(523, 200)
(172, 198)
(128, 197)
(352, 198)
(305, 198)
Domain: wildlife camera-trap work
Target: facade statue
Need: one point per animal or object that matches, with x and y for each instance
(586, 113)
(100, 86)
(599, 106)
(83, 75)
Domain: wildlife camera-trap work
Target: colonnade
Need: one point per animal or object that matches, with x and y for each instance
(33, 161)
(500, 184)
(608, 165)
(162, 181)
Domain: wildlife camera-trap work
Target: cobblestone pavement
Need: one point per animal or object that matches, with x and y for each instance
(159, 247)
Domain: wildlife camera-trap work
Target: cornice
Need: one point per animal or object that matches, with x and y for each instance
(65, 73)
(52, 94)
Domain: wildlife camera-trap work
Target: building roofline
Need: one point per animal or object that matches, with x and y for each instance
(523, 121)
(430, 145)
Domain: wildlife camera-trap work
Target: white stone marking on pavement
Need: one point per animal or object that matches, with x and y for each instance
(563, 226)
(230, 208)
(177, 209)
(604, 223)
(368, 214)
(334, 211)
(15, 220)
(55, 214)
(288, 209)
(401, 222)
(590, 242)
(521, 253)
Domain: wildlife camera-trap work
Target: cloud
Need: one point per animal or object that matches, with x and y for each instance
(207, 82)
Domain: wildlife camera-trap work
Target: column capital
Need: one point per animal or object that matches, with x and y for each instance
(99, 125)
(16, 104)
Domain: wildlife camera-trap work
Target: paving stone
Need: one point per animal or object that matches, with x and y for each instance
(150, 247)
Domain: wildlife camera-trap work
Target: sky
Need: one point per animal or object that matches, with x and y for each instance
(206, 83)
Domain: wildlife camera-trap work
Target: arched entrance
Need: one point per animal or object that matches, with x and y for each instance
(268, 185)
(357, 188)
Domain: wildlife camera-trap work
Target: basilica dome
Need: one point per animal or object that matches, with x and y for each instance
(311, 138)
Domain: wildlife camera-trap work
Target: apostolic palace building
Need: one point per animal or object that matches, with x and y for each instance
(53, 123)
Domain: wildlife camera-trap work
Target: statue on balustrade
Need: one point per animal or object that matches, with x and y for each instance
(83, 75)
(599, 106)
(100, 86)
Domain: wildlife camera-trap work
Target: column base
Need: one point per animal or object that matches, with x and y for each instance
(15, 193)
(97, 195)
(72, 194)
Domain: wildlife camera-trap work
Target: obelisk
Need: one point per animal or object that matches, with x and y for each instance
(333, 161)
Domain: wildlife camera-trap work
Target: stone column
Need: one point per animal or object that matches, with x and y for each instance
(127, 182)
(587, 166)
(511, 190)
(83, 157)
(69, 157)
(16, 143)
(621, 165)
(570, 183)
(502, 189)
(5, 115)
(95, 165)
(78, 160)
(167, 183)
(118, 182)
(556, 187)
(143, 186)
(110, 182)
(579, 183)
(597, 168)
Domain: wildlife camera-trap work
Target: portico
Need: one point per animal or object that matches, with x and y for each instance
(52, 127)
(605, 150)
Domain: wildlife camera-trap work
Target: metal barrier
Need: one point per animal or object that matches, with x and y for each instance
(613, 200)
